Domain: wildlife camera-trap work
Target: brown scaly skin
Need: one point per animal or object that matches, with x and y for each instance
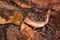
(37, 24)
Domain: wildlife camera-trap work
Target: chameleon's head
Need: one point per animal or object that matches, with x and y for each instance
(37, 19)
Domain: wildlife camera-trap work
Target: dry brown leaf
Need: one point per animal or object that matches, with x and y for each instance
(56, 7)
(5, 5)
(28, 30)
(23, 5)
(58, 33)
(16, 18)
(14, 34)
(2, 20)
